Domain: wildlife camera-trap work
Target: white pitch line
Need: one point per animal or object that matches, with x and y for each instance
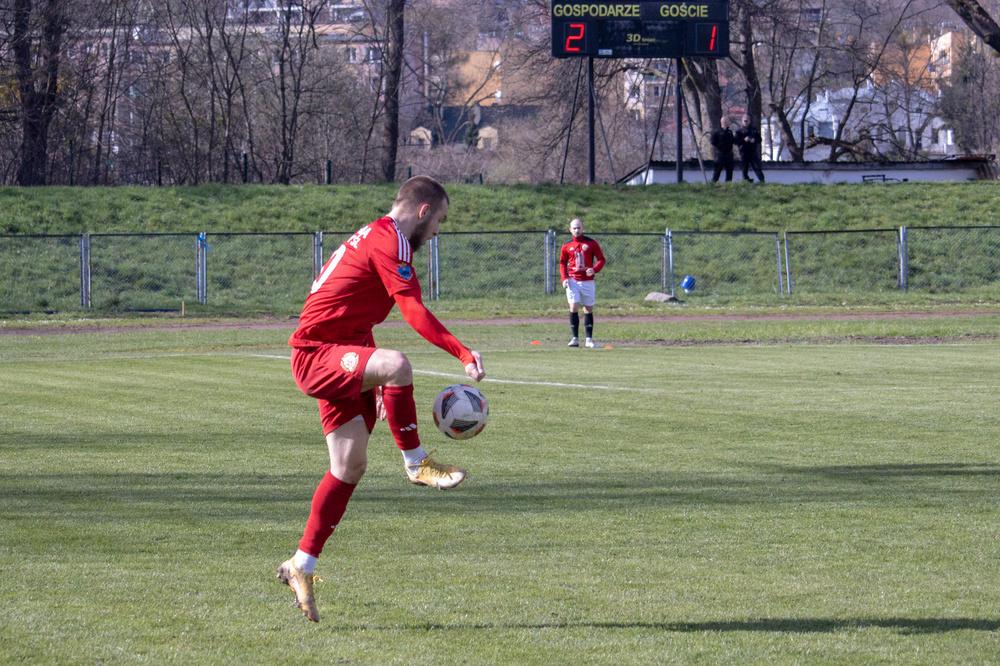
(525, 382)
(519, 382)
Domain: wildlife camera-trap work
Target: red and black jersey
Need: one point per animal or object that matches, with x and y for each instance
(577, 256)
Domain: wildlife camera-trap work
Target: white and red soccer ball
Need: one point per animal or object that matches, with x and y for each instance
(461, 411)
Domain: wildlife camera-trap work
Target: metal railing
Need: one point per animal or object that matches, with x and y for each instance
(273, 271)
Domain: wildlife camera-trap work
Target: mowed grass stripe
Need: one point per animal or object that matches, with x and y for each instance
(773, 503)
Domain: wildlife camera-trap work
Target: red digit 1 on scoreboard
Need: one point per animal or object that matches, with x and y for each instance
(711, 40)
(575, 34)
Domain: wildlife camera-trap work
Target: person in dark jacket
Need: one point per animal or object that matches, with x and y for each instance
(722, 142)
(748, 140)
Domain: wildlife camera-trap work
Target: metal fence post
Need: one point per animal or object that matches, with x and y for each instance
(777, 254)
(435, 269)
(549, 244)
(201, 267)
(317, 253)
(663, 263)
(670, 262)
(85, 271)
(904, 259)
(788, 269)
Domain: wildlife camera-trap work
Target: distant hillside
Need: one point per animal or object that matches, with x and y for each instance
(483, 207)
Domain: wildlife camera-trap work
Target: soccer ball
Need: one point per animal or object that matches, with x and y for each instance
(460, 411)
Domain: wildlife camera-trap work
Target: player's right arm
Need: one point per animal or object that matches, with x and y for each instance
(391, 257)
(430, 328)
(563, 266)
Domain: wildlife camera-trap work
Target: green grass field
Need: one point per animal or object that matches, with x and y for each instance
(810, 497)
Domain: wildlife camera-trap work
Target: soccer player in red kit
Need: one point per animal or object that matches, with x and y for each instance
(579, 261)
(335, 360)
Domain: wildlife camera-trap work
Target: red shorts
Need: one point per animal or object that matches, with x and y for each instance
(333, 374)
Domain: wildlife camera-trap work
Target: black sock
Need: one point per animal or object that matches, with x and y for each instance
(574, 323)
(588, 323)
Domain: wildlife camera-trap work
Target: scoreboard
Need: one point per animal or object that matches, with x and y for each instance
(643, 29)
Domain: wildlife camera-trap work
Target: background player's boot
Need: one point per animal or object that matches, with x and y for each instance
(589, 343)
(435, 474)
(574, 342)
(302, 585)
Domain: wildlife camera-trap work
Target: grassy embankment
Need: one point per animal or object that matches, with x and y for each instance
(265, 275)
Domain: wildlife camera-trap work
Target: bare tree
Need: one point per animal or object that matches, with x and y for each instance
(37, 49)
(115, 35)
(971, 98)
(292, 80)
(868, 28)
(795, 50)
(393, 77)
(747, 15)
(978, 20)
(701, 81)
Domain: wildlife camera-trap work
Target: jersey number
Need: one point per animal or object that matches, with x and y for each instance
(330, 265)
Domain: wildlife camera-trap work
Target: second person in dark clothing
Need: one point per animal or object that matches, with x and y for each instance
(748, 140)
(722, 142)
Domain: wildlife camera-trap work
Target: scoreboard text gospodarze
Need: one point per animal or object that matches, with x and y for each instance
(698, 28)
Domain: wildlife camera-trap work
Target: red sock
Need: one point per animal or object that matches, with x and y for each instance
(328, 506)
(401, 414)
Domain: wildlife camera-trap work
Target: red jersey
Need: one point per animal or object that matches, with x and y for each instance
(358, 287)
(577, 256)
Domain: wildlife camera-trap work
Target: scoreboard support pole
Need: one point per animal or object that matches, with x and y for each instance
(679, 119)
(591, 159)
(639, 29)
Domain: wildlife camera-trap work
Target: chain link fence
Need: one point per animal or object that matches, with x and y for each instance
(728, 264)
(40, 272)
(273, 271)
(139, 271)
(636, 264)
(942, 259)
(495, 264)
(842, 261)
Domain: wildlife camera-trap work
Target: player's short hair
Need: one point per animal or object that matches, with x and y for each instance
(420, 190)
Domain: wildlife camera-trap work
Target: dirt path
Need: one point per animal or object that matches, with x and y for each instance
(290, 323)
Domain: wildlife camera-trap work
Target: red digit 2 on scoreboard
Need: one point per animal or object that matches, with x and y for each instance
(576, 36)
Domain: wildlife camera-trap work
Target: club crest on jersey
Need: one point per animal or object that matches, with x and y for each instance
(349, 361)
(584, 247)
(405, 271)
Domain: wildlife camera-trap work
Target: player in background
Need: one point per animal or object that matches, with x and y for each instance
(335, 360)
(579, 261)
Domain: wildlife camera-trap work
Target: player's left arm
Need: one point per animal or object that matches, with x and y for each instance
(599, 260)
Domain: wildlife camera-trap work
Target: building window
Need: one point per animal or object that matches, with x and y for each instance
(812, 15)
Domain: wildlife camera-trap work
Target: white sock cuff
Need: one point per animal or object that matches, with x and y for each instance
(413, 456)
(304, 562)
